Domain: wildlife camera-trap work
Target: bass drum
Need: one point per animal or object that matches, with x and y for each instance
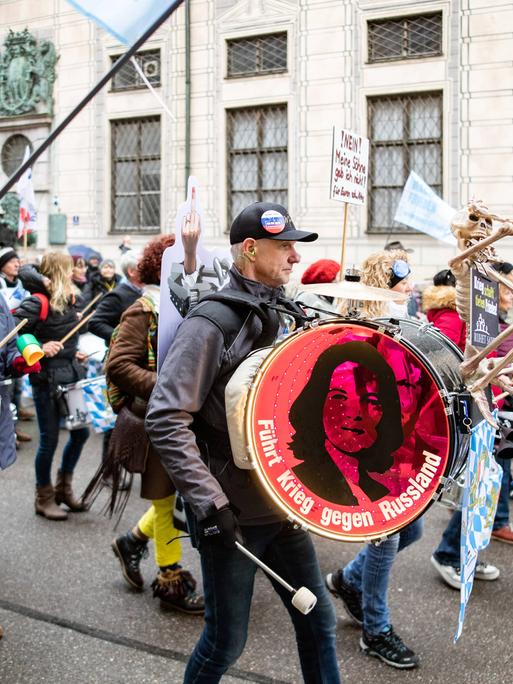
(354, 426)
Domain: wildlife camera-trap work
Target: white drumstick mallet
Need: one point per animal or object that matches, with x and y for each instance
(303, 599)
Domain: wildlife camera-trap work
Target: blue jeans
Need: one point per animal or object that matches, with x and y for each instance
(228, 579)
(369, 573)
(48, 419)
(448, 551)
(502, 513)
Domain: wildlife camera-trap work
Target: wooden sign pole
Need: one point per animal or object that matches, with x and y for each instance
(344, 240)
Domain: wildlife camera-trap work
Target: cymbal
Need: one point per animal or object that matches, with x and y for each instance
(350, 289)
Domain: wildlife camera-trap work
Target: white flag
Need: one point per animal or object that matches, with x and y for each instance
(127, 20)
(422, 209)
(28, 214)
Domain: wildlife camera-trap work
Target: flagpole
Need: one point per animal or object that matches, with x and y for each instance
(103, 81)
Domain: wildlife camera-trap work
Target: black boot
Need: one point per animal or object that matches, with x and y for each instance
(130, 551)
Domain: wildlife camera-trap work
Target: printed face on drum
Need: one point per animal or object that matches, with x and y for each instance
(352, 410)
(347, 422)
(270, 261)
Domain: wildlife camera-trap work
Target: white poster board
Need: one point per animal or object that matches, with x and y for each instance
(422, 209)
(349, 167)
(175, 293)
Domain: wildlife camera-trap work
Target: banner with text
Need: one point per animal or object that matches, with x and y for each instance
(422, 209)
(484, 313)
(349, 167)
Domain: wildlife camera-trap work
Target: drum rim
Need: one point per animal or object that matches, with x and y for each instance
(379, 326)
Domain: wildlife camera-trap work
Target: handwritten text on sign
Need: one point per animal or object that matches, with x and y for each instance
(349, 167)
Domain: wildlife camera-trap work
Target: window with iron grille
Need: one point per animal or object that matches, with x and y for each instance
(135, 158)
(257, 156)
(405, 134)
(128, 78)
(257, 55)
(405, 37)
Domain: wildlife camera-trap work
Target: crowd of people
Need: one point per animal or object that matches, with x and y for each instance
(171, 427)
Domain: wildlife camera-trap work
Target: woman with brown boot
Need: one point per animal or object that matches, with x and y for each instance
(51, 312)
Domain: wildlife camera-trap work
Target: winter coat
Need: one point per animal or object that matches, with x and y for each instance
(55, 327)
(111, 308)
(98, 285)
(7, 355)
(126, 368)
(13, 292)
(439, 304)
(191, 387)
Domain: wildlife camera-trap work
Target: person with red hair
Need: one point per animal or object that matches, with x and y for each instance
(131, 367)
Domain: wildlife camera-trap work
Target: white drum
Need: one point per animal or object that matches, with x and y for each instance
(77, 416)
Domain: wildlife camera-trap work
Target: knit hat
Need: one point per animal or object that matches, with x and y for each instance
(107, 262)
(6, 254)
(322, 271)
(445, 277)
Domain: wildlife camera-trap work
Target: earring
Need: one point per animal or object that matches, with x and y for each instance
(252, 251)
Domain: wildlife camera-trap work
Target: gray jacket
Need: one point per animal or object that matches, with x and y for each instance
(190, 387)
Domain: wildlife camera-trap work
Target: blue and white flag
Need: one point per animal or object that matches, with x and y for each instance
(127, 20)
(102, 416)
(422, 209)
(480, 498)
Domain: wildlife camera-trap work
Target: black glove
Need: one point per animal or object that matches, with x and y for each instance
(221, 529)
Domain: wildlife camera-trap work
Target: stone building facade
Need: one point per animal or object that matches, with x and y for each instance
(253, 89)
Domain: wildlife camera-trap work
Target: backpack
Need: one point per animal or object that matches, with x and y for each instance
(116, 397)
(45, 306)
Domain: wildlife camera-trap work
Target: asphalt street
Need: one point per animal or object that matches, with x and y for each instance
(69, 617)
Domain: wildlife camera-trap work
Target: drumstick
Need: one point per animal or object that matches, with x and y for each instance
(500, 396)
(13, 332)
(76, 328)
(93, 301)
(303, 599)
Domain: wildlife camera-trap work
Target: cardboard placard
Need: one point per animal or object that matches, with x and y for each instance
(349, 167)
(484, 309)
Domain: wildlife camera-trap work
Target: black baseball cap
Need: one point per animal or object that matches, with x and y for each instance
(266, 220)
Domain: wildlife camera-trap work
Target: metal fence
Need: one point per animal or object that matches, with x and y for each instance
(257, 140)
(405, 135)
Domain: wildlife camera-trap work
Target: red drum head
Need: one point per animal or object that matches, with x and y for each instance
(348, 430)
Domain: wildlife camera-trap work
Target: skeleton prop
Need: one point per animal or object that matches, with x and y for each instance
(472, 227)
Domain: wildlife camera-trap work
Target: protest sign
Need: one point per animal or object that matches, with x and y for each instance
(349, 167)
(179, 292)
(422, 209)
(484, 314)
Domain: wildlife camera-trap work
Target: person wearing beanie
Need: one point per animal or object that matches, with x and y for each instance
(11, 286)
(439, 305)
(102, 281)
(14, 292)
(322, 271)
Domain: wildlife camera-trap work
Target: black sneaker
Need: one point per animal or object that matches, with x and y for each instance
(130, 554)
(351, 598)
(390, 648)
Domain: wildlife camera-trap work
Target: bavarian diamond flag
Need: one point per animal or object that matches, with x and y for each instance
(95, 396)
(480, 497)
